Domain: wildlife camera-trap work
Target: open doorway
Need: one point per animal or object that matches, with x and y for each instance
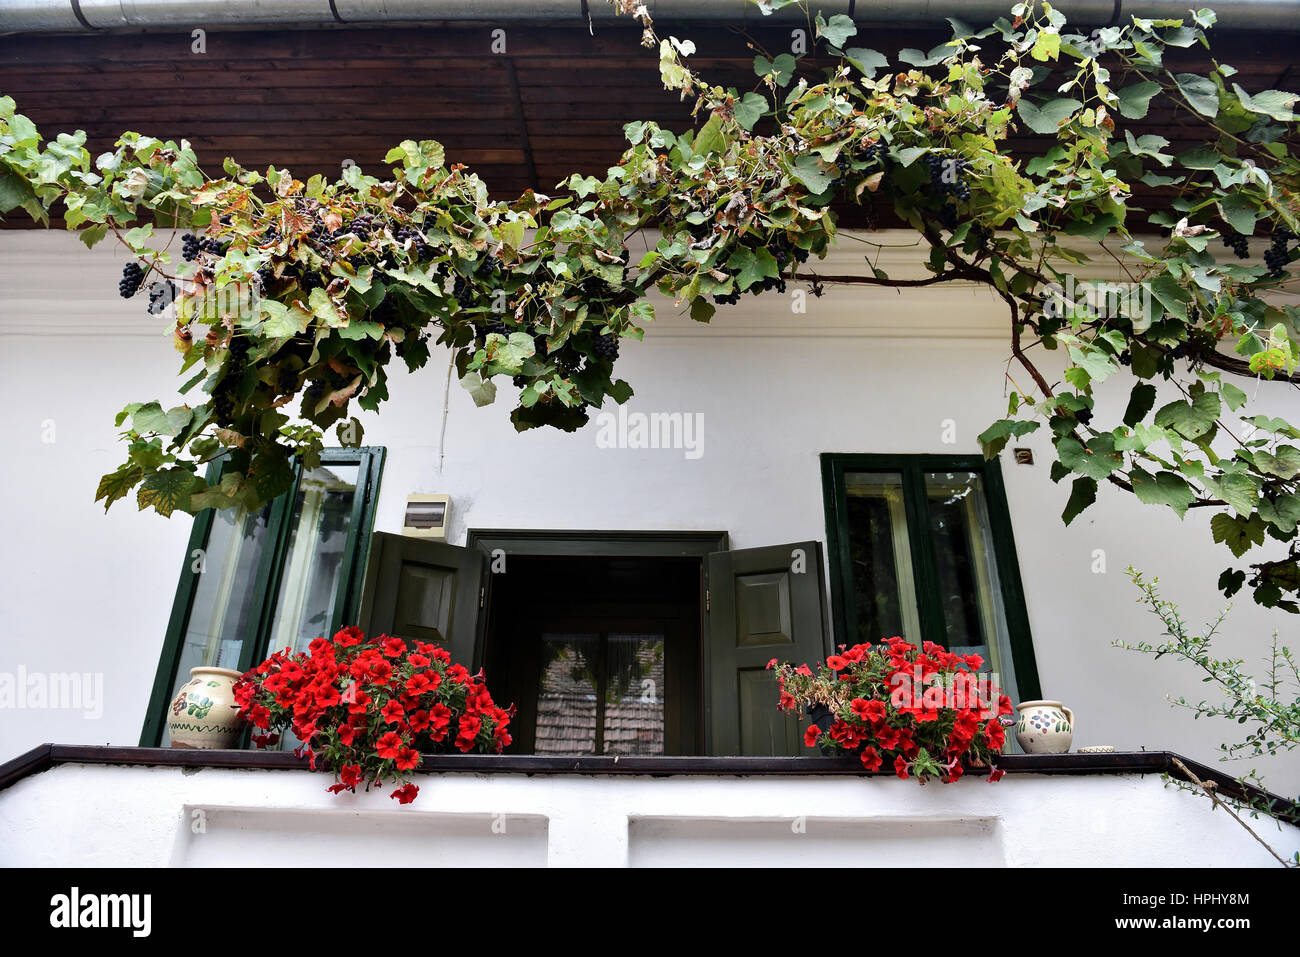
(613, 642)
(602, 654)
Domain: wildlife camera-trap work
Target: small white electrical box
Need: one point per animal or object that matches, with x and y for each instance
(426, 516)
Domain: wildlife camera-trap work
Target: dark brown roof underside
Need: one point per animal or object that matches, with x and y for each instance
(553, 104)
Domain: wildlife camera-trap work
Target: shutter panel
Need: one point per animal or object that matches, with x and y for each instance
(765, 603)
(418, 589)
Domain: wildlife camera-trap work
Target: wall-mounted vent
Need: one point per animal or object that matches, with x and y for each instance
(426, 516)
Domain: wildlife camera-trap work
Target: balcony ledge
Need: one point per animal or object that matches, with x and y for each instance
(150, 807)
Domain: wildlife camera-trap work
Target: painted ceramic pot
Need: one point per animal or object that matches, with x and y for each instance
(1044, 727)
(203, 713)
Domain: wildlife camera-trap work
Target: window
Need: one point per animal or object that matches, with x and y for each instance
(921, 546)
(254, 583)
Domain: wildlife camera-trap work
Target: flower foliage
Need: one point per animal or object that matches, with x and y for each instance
(920, 712)
(344, 277)
(369, 708)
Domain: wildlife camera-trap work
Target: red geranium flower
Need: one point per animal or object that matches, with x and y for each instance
(901, 767)
(389, 745)
(418, 683)
(350, 775)
(407, 759)
(393, 711)
(871, 759)
(393, 647)
(470, 725)
(347, 734)
(836, 663)
(811, 735)
(349, 637)
(870, 711)
(405, 794)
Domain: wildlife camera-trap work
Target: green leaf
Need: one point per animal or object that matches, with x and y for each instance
(1048, 117)
(168, 490)
(807, 169)
(1200, 91)
(1271, 103)
(1239, 489)
(1140, 401)
(482, 391)
(750, 109)
(1163, 488)
(1237, 533)
(994, 439)
(866, 60)
(781, 70)
(838, 29)
(1284, 463)
(1239, 212)
(710, 139)
(1096, 460)
(115, 485)
(1190, 420)
(1082, 494)
(702, 310)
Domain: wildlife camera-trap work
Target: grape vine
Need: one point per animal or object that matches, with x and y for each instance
(293, 298)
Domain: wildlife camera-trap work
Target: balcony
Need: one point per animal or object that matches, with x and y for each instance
(108, 806)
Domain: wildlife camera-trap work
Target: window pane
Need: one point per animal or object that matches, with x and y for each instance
(566, 697)
(970, 595)
(884, 594)
(634, 695)
(601, 693)
(224, 600)
(318, 535)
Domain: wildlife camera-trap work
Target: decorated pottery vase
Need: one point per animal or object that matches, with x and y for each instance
(1044, 727)
(203, 713)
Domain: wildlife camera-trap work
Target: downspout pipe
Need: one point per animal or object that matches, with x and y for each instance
(92, 16)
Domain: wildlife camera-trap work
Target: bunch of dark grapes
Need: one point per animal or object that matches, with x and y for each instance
(161, 295)
(540, 347)
(214, 246)
(419, 248)
(129, 284)
(190, 247)
(875, 153)
(1084, 416)
(606, 347)
(1276, 257)
(982, 235)
(1126, 358)
(238, 349)
(727, 299)
(463, 292)
(362, 226)
(947, 176)
(266, 276)
(1238, 243)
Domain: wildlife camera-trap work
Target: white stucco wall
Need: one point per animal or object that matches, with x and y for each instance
(862, 371)
(99, 815)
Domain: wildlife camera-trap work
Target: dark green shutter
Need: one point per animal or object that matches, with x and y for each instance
(760, 609)
(430, 591)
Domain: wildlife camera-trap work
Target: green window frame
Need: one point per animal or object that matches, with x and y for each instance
(923, 568)
(369, 462)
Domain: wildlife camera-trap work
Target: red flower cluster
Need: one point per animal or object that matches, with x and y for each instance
(369, 708)
(922, 711)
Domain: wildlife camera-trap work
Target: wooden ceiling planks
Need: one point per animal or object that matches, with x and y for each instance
(553, 104)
